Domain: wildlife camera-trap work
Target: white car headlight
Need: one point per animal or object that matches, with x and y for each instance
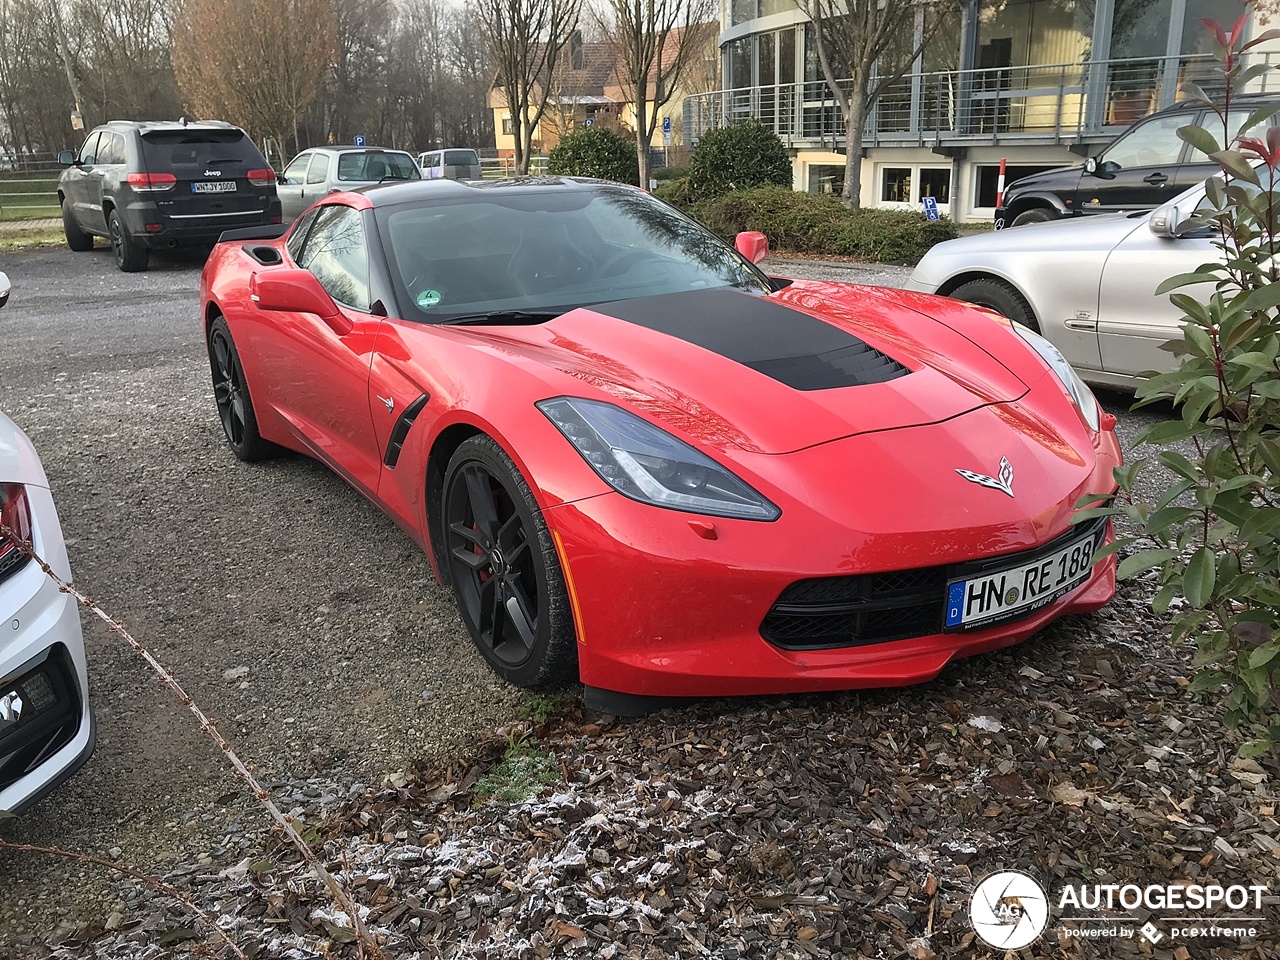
(646, 463)
(1077, 388)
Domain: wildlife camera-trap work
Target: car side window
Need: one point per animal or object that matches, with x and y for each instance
(298, 236)
(318, 172)
(336, 254)
(434, 161)
(1149, 144)
(111, 148)
(296, 171)
(89, 152)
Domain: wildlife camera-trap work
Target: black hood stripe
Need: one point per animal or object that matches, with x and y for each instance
(771, 338)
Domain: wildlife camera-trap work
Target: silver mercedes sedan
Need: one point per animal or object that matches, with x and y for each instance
(1088, 285)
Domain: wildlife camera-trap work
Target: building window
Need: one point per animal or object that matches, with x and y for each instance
(895, 185)
(740, 11)
(989, 178)
(508, 128)
(826, 178)
(935, 182)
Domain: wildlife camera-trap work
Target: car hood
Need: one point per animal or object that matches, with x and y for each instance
(18, 460)
(1049, 179)
(812, 363)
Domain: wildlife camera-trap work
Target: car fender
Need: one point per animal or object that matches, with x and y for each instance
(1032, 199)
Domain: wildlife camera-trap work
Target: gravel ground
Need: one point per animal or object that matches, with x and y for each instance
(300, 615)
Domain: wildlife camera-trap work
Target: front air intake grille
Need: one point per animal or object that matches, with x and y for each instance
(40, 713)
(854, 611)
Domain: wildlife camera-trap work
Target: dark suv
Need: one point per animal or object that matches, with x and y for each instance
(1145, 166)
(148, 185)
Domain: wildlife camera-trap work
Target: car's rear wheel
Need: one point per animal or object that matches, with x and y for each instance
(999, 296)
(77, 239)
(504, 568)
(1034, 215)
(231, 393)
(131, 257)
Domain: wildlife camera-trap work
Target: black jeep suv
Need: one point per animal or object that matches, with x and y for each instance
(1144, 167)
(148, 185)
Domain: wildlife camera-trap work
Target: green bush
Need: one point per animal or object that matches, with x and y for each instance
(741, 155)
(676, 192)
(819, 224)
(891, 236)
(595, 152)
(669, 173)
(1212, 536)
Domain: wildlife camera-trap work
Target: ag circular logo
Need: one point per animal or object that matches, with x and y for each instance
(1009, 910)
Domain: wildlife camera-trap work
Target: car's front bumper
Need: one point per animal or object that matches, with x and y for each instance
(662, 611)
(42, 658)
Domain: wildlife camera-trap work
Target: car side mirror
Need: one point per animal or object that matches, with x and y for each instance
(1164, 221)
(67, 158)
(752, 244)
(5, 287)
(295, 290)
(1102, 169)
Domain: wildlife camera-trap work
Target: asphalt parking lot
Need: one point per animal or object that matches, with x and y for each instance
(286, 603)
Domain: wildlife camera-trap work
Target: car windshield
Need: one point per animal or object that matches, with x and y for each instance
(461, 158)
(375, 166)
(550, 251)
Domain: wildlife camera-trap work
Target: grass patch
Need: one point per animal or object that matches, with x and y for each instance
(22, 238)
(541, 707)
(521, 775)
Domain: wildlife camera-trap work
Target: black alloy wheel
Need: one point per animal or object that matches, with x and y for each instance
(504, 568)
(231, 394)
(131, 257)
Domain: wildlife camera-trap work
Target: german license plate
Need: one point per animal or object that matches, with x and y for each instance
(994, 596)
(214, 186)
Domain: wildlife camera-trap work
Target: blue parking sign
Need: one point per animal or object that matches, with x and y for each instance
(666, 124)
(931, 209)
(359, 141)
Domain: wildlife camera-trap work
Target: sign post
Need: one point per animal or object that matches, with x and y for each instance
(931, 209)
(666, 140)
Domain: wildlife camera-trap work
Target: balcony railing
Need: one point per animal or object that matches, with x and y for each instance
(1058, 103)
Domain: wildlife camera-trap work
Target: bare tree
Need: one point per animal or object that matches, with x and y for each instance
(258, 63)
(658, 43)
(528, 39)
(871, 44)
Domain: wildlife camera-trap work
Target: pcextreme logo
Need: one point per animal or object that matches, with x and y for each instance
(1010, 909)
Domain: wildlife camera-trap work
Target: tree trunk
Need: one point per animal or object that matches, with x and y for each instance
(643, 136)
(855, 115)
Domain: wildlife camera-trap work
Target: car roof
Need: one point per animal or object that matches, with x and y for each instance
(149, 126)
(407, 191)
(1246, 98)
(328, 148)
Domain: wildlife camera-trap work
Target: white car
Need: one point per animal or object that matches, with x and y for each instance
(1087, 284)
(46, 725)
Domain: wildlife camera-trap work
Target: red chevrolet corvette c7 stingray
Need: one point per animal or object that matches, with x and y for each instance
(640, 461)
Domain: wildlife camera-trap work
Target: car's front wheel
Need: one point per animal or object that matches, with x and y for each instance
(131, 256)
(999, 296)
(1034, 215)
(231, 393)
(77, 239)
(504, 568)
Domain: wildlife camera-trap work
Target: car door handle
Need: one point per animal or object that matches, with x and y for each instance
(1156, 179)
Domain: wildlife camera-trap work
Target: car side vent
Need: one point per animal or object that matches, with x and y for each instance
(400, 432)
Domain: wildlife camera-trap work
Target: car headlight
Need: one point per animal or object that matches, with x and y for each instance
(647, 464)
(1077, 388)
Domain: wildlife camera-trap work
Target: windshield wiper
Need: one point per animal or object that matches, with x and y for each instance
(503, 316)
(394, 176)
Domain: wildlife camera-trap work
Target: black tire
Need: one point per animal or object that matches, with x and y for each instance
(1035, 215)
(131, 256)
(504, 568)
(999, 296)
(77, 239)
(231, 394)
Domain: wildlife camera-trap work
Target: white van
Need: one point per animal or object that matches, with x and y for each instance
(450, 165)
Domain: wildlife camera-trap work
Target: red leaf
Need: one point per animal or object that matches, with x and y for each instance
(1218, 33)
(1273, 147)
(1237, 29)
